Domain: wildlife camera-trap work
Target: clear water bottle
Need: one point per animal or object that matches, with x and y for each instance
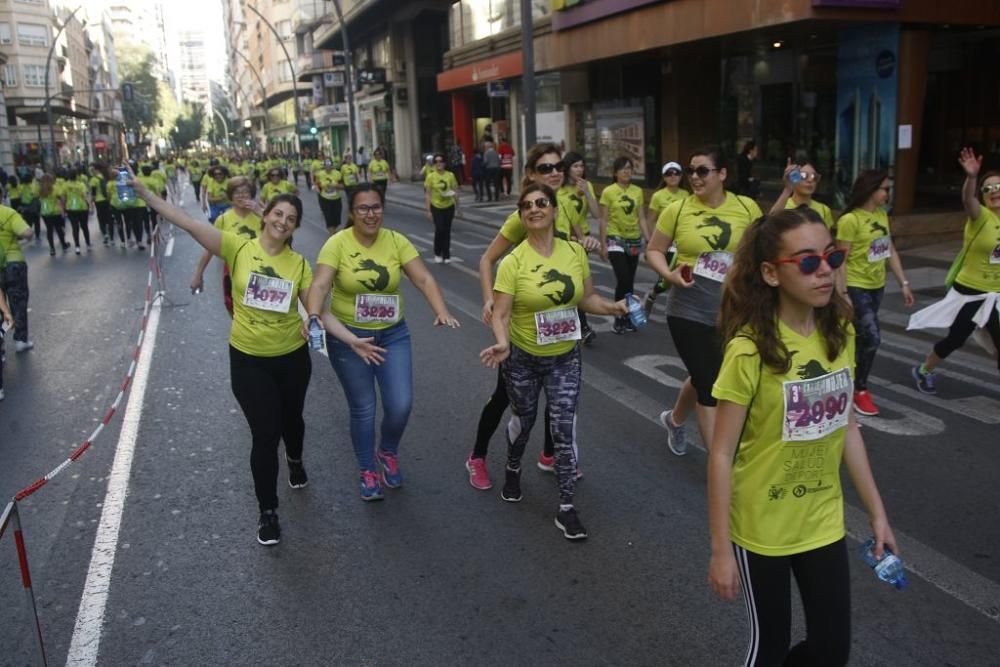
(889, 569)
(125, 192)
(635, 312)
(795, 176)
(315, 334)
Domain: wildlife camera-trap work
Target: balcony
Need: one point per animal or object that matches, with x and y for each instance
(307, 16)
(316, 62)
(330, 114)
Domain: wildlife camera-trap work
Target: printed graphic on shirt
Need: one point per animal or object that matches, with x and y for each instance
(564, 292)
(380, 281)
(719, 240)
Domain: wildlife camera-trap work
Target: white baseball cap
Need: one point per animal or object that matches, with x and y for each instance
(671, 165)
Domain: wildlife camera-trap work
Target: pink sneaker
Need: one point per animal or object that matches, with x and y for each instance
(548, 464)
(479, 478)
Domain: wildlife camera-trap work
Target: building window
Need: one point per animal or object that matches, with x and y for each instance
(5, 33)
(34, 76)
(32, 34)
(284, 74)
(10, 75)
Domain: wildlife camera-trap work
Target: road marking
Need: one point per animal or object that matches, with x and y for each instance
(86, 638)
(982, 409)
(911, 423)
(957, 359)
(170, 247)
(468, 246)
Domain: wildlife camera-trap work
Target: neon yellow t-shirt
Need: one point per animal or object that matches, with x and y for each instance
(663, 198)
(786, 495)
(542, 284)
(50, 205)
(75, 193)
(623, 210)
(868, 234)
(325, 180)
(349, 172)
(574, 207)
(28, 192)
(12, 225)
(95, 185)
(248, 227)
(216, 190)
(699, 230)
(270, 190)
(981, 268)
(366, 283)
(819, 207)
(379, 170)
(269, 282)
(443, 188)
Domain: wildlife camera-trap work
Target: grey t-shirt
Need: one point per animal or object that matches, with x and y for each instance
(698, 303)
(491, 159)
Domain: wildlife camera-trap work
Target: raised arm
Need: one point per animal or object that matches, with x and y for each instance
(208, 236)
(971, 163)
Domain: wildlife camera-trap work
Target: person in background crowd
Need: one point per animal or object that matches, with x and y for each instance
(277, 183)
(669, 192)
(52, 210)
(78, 203)
(456, 162)
(801, 180)
(746, 184)
(380, 171)
(491, 165)
(441, 200)
(30, 206)
(350, 174)
(118, 208)
(367, 337)
(362, 163)
(214, 202)
(195, 173)
(14, 192)
(863, 231)
(14, 273)
(787, 334)
(506, 153)
(478, 170)
(329, 188)
(98, 194)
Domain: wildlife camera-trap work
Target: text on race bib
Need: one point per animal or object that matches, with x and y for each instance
(350, 179)
(382, 308)
(615, 246)
(713, 265)
(554, 326)
(879, 249)
(815, 408)
(995, 255)
(267, 293)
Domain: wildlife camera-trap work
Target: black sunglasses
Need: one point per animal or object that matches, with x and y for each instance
(540, 203)
(700, 172)
(809, 264)
(547, 168)
(672, 172)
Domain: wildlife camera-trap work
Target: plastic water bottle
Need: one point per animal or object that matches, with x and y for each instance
(889, 569)
(125, 191)
(795, 176)
(635, 312)
(315, 334)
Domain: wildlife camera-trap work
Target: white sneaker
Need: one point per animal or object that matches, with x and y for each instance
(438, 259)
(1, 394)
(22, 346)
(447, 260)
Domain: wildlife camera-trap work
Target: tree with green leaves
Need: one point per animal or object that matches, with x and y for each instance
(136, 65)
(189, 125)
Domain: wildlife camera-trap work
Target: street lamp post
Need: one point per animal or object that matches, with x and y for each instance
(48, 100)
(225, 124)
(291, 67)
(348, 77)
(528, 78)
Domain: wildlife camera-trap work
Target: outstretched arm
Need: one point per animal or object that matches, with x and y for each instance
(971, 163)
(422, 279)
(208, 236)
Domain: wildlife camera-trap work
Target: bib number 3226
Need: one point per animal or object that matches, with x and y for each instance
(268, 293)
(382, 308)
(554, 326)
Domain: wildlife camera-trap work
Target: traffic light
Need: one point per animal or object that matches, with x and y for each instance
(127, 92)
(312, 127)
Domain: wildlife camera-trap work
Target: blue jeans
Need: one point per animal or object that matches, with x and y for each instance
(395, 381)
(215, 210)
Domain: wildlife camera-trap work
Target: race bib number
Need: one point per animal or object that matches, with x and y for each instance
(815, 408)
(615, 246)
(995, 255)
(350, 179)
(554, 326)
(267, 293)
(382, 308)
(713, 265)
(879, 249)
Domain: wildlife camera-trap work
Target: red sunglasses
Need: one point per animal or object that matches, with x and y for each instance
(809, 264)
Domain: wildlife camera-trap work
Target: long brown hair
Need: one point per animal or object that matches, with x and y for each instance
(865, 185)
(534, 153)
(45, 185)
(750, 305)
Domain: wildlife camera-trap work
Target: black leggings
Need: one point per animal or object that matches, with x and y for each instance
(197, 189)
(963, 326)
(824, 585)
(699, 348)
(272, 392)
(624, 265)
(104, 219)
(79, 220)
(55, 224)
(134, 219)
(442, 230)
(331, 211)
(493, 413)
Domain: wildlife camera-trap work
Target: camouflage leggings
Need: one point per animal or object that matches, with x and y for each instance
(866, 303)
(526, 375)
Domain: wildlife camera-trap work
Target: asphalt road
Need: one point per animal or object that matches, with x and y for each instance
(439, 573)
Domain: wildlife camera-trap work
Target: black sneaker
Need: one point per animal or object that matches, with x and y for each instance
(511, 491)
(619, 326)
(589, 335)
(268, 529)
(297, 477)
(629, 327)
(569, 523)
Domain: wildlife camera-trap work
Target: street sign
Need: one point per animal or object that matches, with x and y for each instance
(500, 88)
(333, 79)
(371, 75)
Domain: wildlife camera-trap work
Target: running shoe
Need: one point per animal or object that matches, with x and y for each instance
(863, 404)
(548, 464)
(1, 395)
(479, 478)
(648, 301)
(389, 465)
(77, 250)
(619, 326)
(511, 491)
(447, 260)
(371, 489)
(925, 381)
(23, 345)
(569, 523)
(629, 327)
(268, 528)
(589, 335)
(297, 477)
(676, 437)
(438, 259)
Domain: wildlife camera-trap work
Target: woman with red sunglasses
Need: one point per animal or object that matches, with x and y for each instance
(784, 393)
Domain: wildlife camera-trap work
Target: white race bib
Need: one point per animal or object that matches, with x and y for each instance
(713, 265)
(554, 326)
(267, 293)
(880, 249)
(815, 408)
(995, 256)
(350, 179)
(614, 246)
(382, 308)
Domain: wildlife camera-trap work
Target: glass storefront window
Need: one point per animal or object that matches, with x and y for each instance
(472, 20)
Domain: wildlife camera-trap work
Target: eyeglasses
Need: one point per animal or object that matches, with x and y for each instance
(541, 203)
(809, 264)
(700, 172)
(547, 168)
(364, 210)
(671, 172)
(808, 176)
(990, 189)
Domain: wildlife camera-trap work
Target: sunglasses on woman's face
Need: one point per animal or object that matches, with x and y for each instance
(546, 168)
(671, 172)
(990, 189)
(700, 172)
(541, 203)
(809, 264)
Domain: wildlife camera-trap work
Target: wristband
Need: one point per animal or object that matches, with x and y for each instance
(905, 283)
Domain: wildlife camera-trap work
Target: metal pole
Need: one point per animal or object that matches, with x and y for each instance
(528, 78)
(348, 77)
(22, 559)
(48, 101)
(263, 93)
(291, 67)
(225, 125)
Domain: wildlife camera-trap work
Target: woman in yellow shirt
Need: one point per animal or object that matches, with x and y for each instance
(214, 201)
(441, 200)
(78, 203)
(51, 209)
(378, 168)
(801, 181)
(784, 426)
(269, 363)
(670, 192)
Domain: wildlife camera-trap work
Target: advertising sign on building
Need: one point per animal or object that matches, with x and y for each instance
(333, 79)
(621, 133)
(498, 88)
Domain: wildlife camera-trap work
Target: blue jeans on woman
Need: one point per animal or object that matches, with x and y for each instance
(395, 381)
